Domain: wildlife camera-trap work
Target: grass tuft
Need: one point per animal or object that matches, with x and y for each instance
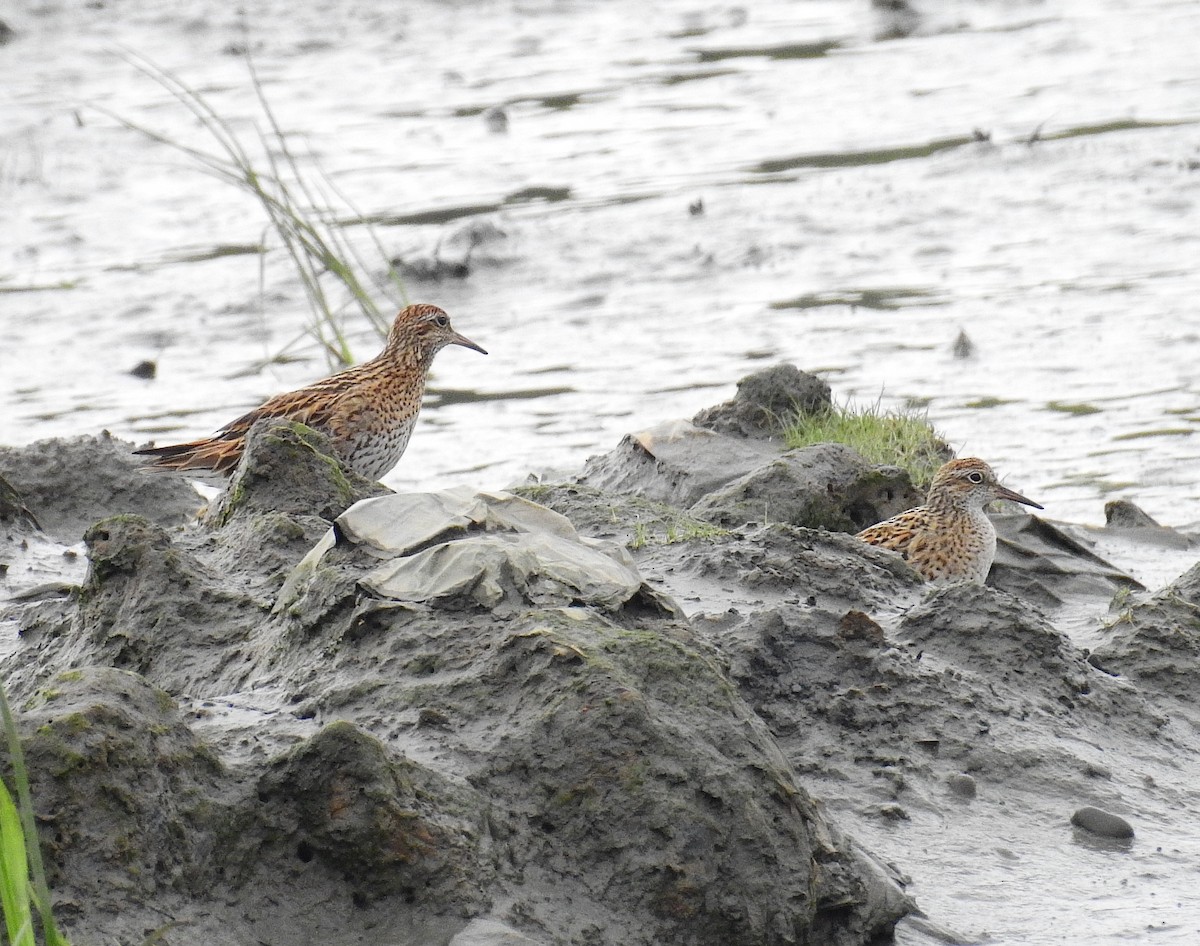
(305, 211)
(898, 438)
(673, 526)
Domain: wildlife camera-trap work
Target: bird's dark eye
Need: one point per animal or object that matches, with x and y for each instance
(442, 321)
(975, 477)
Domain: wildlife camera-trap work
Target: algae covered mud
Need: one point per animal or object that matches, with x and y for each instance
(626, 204)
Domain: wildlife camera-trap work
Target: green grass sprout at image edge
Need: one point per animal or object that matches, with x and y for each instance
(14, 874)
(22, 875)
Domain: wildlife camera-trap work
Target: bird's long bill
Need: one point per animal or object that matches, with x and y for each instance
(1003, 492)
(457, 339)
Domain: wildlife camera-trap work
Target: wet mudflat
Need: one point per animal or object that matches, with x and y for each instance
(682, 194)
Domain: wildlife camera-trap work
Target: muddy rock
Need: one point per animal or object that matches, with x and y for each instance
(785, 564)
(765, 400)
(723, 469)
(675, 463)
(386, 825)
(146, 606)
(593, 756)
(747, 566)
(587, 733)
(968, 683)
(124, 789)
(593, 805)
(1123, 514)
(288, 468)
(1155, 640)
(827, 486)
(731, 481)
(69, 484)
(979, 630)
(1051, 563)
(15, 516)
(279, 501)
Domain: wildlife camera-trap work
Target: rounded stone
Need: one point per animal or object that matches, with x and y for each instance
(962, 785)
(1102, 823)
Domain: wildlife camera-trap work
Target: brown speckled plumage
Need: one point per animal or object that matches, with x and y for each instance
(368, 411)
(950, 538)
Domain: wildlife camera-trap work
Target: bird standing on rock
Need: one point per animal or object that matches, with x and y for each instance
(368, 411)
(950, 538)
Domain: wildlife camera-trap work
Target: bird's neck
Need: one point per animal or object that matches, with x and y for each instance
(953, 507)
(407, 357)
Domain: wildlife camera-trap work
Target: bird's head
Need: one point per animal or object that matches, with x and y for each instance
(969, 483)
(422, 330)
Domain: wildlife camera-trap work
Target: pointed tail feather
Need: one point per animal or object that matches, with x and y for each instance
(219, 456)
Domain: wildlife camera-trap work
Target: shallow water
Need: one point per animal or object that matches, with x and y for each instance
(1039, 885)
(850, 223)
(1024, 172)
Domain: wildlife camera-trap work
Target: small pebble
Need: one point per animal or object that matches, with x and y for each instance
(855, 625)
(1102, 823)
(962, 785)
(144, 369)
(496, 120)
(429, 716)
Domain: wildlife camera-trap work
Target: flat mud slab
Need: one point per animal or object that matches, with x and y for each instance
(620, 708)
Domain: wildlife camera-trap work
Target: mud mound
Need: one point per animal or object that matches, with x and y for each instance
(473, 718)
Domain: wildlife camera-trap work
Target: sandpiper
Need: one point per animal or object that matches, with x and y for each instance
(950, 538)
(368, 411)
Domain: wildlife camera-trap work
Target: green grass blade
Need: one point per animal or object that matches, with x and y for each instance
(213, 122)
(300, 208)
(40, 892)
(14, 873)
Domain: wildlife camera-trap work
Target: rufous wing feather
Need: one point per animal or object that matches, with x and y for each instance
(212, 453)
